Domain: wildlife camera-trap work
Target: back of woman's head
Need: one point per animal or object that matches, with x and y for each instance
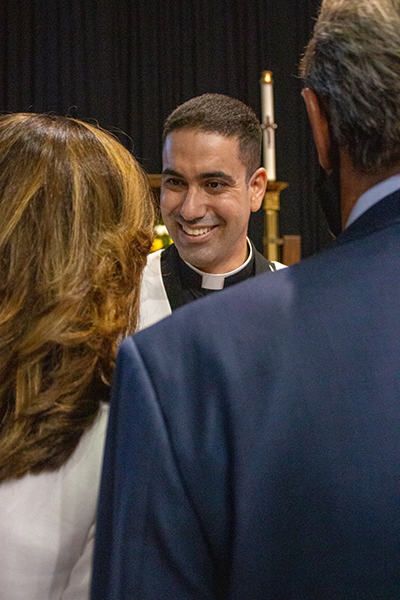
(76, 224)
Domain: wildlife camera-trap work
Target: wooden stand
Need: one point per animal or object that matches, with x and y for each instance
(154, 181)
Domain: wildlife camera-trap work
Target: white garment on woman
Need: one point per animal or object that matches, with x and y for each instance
(47, 525)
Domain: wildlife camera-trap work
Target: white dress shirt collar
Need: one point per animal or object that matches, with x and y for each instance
(373, 195)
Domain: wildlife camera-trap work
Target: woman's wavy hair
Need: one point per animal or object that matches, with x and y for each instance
(353, 65)
(76, 225)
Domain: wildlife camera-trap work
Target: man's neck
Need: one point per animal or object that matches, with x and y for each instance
(354, 183)
(215, 281)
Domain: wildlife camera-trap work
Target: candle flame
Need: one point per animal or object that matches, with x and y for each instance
(266, 77)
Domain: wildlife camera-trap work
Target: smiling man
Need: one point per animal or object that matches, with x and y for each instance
(211, 183)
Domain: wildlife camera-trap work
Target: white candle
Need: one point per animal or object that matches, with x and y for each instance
(267, 107)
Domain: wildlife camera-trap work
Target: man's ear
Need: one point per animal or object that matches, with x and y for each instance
(257, 185)
(319, 124)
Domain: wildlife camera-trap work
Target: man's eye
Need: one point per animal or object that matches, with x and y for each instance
(171, 181)
(215, 185)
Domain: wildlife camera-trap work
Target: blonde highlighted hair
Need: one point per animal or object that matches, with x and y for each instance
(76, 225)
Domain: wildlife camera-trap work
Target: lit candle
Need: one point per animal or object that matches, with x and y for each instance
(267, 107)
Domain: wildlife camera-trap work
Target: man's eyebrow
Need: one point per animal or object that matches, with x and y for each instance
(207, 175)
(172, 172)
(217, 175)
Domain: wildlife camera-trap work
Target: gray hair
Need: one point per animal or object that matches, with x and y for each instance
(352, 63)
(227, 116)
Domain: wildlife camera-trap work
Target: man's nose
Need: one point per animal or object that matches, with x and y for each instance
(193, 206)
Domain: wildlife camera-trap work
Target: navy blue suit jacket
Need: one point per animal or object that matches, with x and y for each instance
(252, 450)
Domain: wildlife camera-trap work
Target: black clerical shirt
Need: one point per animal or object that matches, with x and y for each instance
(183, 284)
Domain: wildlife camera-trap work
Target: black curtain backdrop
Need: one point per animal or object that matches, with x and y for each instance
(128, 63)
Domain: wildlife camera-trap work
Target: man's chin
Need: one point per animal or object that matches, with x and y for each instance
(197, 257)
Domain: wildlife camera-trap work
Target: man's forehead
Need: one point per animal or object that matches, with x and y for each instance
(210, 151)
(185, 135)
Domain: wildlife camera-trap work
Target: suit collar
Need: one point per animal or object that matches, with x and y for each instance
(373, 195)
(384, 213)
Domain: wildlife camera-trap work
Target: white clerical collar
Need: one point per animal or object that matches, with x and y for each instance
(374, 195)
(215, 281)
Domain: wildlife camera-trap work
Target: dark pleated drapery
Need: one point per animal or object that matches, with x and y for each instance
(128, 63)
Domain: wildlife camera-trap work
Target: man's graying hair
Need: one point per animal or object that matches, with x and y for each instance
(352, 63)
(221, 114)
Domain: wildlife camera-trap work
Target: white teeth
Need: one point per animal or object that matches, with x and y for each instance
(196, 231)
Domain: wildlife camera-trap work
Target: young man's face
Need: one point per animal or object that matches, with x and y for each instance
(205, 200)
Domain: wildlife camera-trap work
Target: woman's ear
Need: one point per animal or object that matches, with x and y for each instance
(320, 128)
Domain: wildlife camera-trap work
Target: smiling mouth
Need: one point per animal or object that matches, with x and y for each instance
(197, 231)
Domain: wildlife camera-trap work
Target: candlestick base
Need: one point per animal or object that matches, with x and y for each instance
(285, 249)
